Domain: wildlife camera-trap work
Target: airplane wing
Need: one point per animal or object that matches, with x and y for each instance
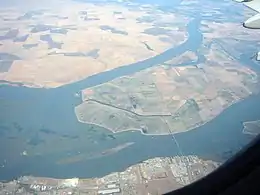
(253, 22)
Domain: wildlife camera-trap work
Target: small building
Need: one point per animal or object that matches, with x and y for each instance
(70, 182)
(109, 191)
(112, 186)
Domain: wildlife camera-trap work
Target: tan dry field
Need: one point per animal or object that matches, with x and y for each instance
(37, 68)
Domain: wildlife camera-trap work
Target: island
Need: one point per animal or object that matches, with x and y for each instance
(153, 176)
(83, 156)
(169, 99)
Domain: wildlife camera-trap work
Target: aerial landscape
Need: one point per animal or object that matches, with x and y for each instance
(33, 41)
(123, 96)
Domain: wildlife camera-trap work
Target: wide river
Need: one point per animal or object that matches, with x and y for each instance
(43, 121)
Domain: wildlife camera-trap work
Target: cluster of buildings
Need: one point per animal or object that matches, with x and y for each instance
(153, 176)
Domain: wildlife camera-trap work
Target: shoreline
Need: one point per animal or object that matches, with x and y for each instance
(84, 178)
(162, 134)
(146, 134)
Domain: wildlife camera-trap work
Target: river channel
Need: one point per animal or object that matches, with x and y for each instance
(28, 112)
